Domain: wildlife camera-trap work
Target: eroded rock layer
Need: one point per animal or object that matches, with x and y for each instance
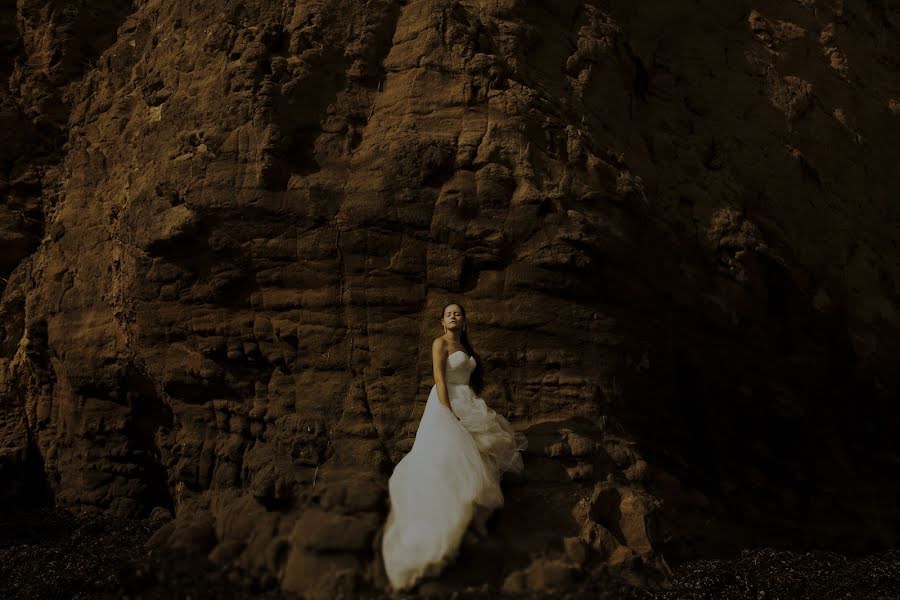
(227, 229)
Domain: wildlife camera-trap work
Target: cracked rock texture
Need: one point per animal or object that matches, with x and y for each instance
(227, 229)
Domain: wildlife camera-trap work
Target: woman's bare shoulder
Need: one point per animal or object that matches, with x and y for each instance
(440, 345)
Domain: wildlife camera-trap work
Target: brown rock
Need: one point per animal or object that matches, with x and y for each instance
(542, 575)
(576, 550)
(323, 531)
(636, 522)
(226, 230)
(332, 576)
(599, 538)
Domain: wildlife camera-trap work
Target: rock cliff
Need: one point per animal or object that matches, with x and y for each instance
(227, 229)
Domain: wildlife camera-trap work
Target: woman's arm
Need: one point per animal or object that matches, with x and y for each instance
(439, 360)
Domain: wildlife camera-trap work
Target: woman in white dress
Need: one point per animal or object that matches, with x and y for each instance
(452, 473)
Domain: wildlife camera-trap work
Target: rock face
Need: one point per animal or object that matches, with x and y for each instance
(227, 229)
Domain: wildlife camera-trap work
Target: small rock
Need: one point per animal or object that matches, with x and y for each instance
(159, 516)
(576, 550)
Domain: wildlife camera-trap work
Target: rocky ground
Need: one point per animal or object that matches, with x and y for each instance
(48, 553)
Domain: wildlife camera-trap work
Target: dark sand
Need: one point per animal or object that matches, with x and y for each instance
(46, 553)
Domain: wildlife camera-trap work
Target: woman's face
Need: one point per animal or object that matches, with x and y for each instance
(453, 319)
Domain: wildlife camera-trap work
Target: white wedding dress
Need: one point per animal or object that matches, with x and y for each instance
(454, 466)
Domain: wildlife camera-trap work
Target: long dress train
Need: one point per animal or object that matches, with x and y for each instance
(453, 469)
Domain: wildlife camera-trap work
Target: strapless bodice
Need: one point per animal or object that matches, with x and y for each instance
(459, 367)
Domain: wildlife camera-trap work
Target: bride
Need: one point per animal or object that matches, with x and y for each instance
(452, 473)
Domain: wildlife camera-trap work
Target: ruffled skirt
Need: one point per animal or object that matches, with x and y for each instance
(453, 469)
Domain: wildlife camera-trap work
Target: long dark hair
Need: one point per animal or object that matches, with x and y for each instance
(476, 379)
